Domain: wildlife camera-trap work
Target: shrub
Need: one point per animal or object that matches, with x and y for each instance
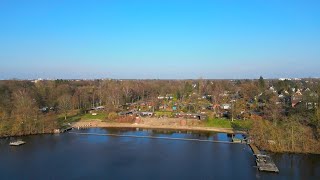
(112, 116)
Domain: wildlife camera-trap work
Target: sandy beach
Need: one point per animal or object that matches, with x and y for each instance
(155, 123)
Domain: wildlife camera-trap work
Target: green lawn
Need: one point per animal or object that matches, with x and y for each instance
(100, 116)
(226, 123)
(221, 123)
(77, 117)
(242, 125)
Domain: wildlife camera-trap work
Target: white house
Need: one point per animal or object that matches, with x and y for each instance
(226, 106)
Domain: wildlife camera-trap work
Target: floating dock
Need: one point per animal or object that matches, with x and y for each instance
(17, 143)
(237, 140)
(264, 162)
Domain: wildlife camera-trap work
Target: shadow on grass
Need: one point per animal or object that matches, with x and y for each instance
(241, 125)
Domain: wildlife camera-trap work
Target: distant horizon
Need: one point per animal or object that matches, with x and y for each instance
(148, 78)
(159, 39)
(107, 78)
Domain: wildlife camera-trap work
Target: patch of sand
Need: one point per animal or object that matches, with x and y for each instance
(155, 123)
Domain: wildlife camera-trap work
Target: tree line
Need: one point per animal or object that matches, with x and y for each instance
(30, 107)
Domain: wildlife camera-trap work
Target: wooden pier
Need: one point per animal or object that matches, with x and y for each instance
(254, 149)
(264, 162)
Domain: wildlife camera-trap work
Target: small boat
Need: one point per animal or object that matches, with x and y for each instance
(17, 143)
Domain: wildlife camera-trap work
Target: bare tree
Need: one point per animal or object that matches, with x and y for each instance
(25, 111)
(65, 104)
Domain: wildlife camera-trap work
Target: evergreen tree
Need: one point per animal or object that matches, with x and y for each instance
(262, 84)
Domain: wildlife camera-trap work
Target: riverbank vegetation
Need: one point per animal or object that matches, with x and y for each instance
(280, 115)
(286, 136)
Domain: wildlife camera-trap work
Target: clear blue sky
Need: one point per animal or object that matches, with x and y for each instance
(159, 39)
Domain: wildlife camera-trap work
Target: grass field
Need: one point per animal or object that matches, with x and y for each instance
(226, 123)
(221, 123)
(74, 117)
(100, 116)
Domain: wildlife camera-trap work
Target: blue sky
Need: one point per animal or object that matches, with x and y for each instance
(159, 39)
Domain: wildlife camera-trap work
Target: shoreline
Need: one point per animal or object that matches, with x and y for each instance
(86, 124)
(97, 124)
(23, 135)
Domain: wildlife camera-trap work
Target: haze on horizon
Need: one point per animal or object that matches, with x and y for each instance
(159, 39)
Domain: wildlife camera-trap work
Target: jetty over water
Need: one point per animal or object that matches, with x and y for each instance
(264, 162)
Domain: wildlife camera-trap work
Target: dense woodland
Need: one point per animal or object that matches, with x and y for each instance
(285, 113)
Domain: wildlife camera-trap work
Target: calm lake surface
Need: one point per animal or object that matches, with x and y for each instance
(72, 156)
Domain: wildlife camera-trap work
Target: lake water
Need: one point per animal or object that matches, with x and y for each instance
(72, 156)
